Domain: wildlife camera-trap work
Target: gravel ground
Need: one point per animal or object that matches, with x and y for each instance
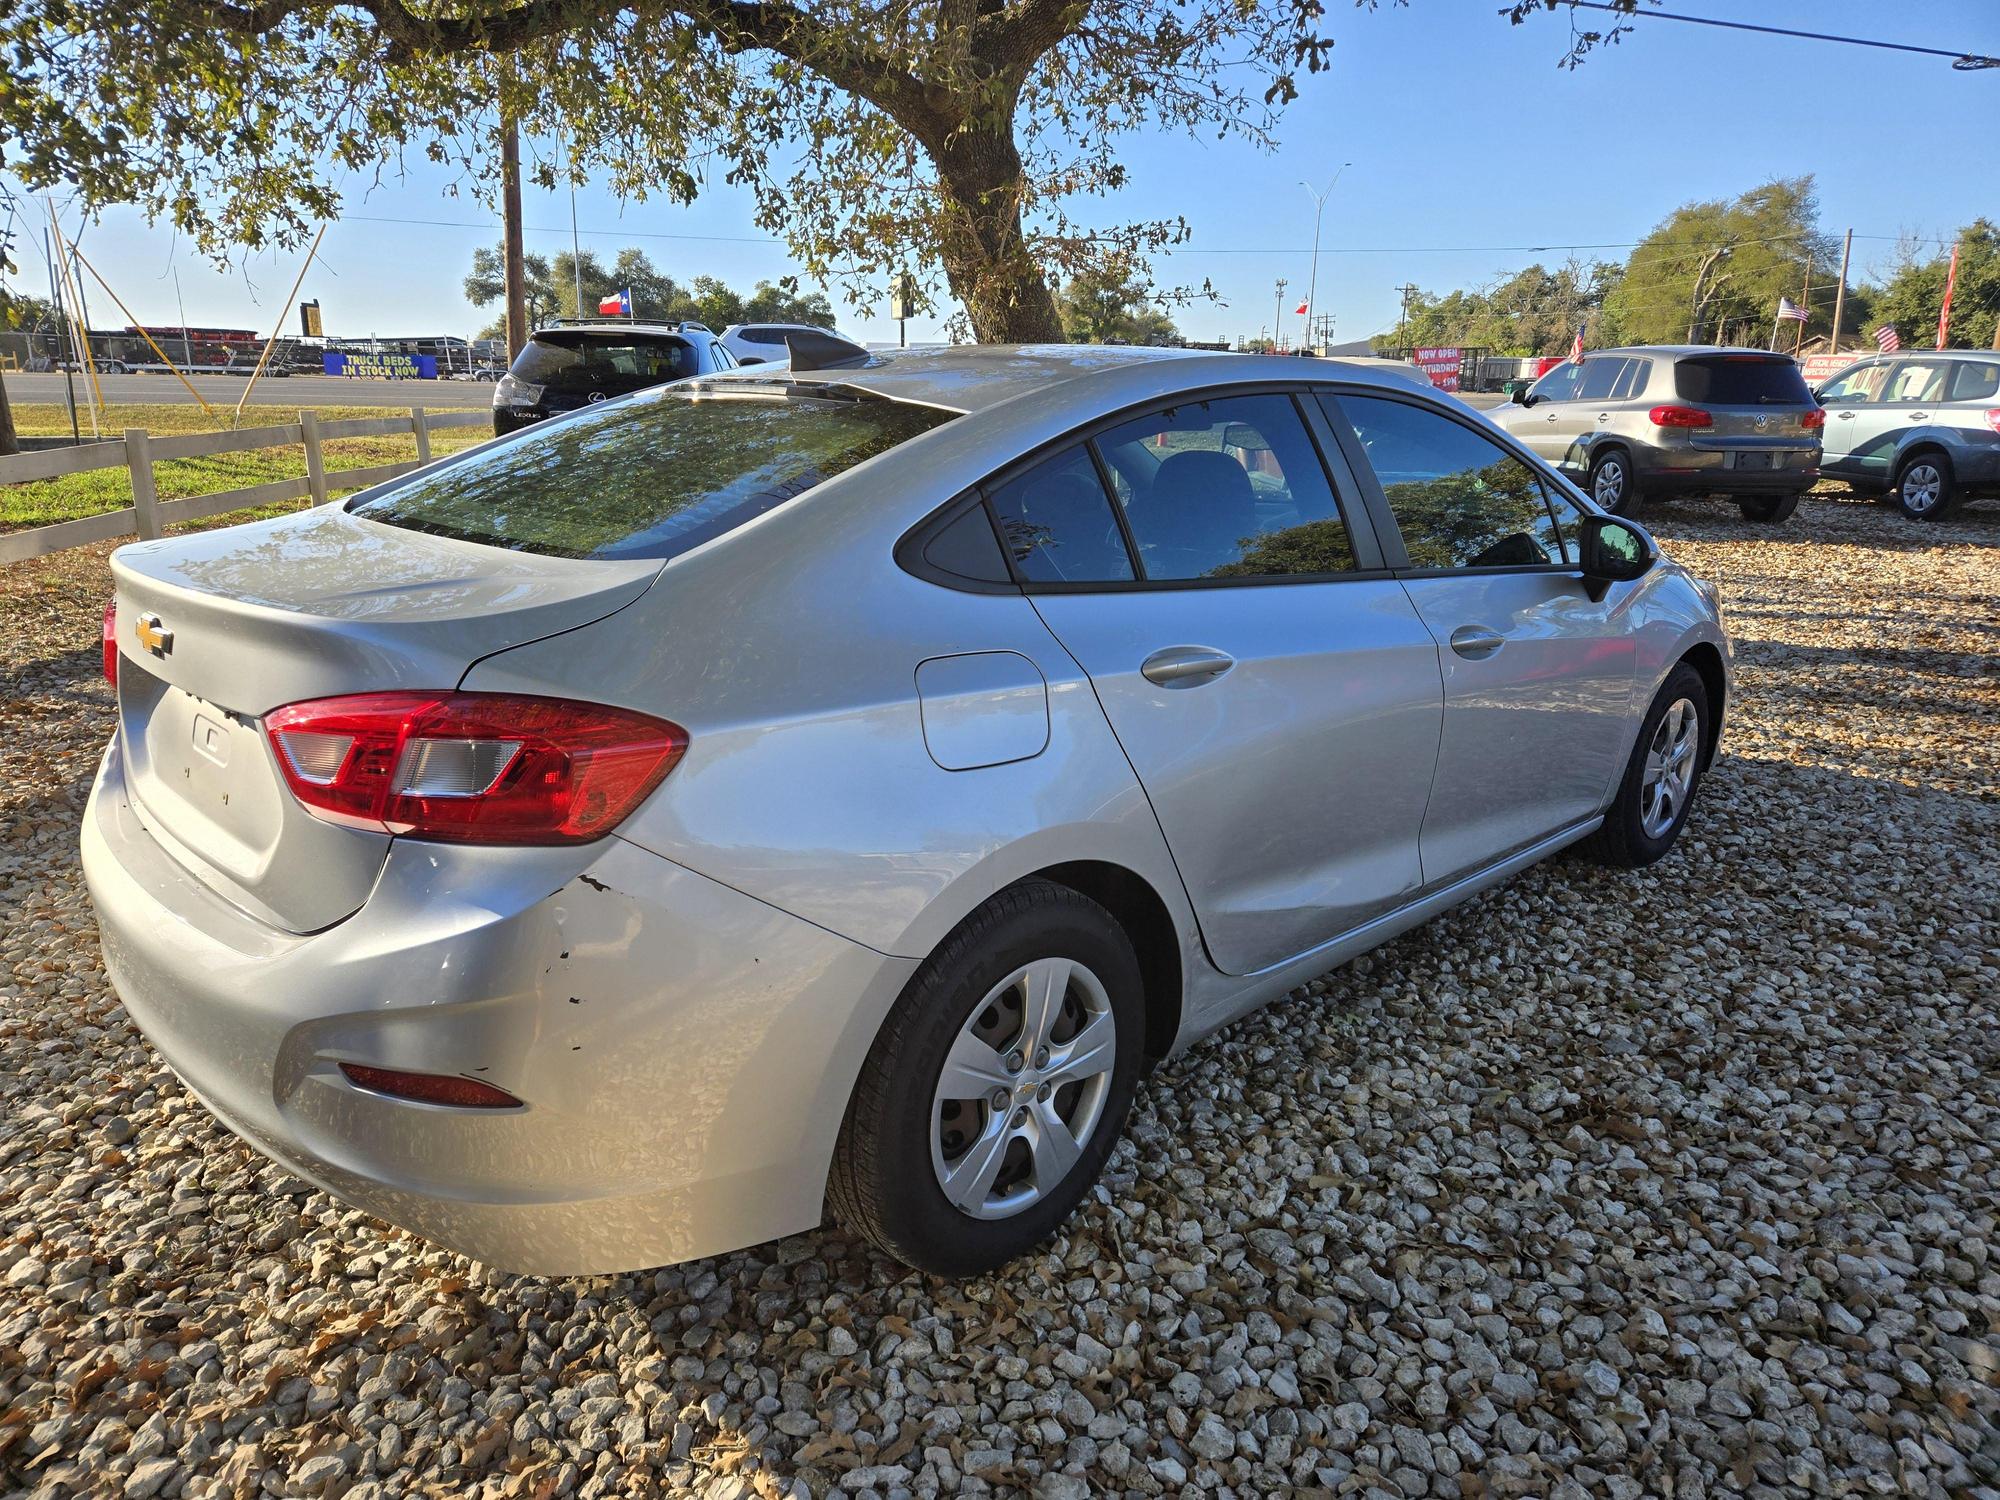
(1673, 1183)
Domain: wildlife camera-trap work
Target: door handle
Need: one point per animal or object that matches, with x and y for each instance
(1476, 642)
(1920, 416)
(1550, 417)
(1604, 416)
(1185, 666)
(1845, 416)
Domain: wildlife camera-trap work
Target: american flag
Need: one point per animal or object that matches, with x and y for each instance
(1787, 308)
(1886, 340)
(1576, 347)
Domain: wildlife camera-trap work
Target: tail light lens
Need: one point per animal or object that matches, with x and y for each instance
(1680, 416)
(1993, 418)
(111, 642)
(1813, 420)
(450, 1089)
(472, 768)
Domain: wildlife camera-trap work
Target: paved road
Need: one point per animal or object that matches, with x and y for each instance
(227, 390)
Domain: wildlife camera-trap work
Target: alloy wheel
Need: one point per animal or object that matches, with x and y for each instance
(1023, 1088)
(1669, 773)
(1608, 488)
(1923, 485)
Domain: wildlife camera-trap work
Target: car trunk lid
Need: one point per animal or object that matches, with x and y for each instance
(1753, 400)
(217, 629)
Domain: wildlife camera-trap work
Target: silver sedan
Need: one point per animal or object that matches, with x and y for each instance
(774, 794)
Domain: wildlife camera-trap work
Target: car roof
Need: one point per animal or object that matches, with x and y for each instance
(1683, 351)
(615, 326)
(975, 377)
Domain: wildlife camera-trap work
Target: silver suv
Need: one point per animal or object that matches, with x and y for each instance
(1627, 423)
(1926, 427)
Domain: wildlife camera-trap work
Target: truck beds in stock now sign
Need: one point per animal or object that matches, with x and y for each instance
(383, 366)
(1441, 365)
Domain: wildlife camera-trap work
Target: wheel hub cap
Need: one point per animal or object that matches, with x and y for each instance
(1669, 772)
(1023, 1088)
(1921, 487)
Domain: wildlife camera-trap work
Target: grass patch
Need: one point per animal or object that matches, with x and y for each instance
(46, 501)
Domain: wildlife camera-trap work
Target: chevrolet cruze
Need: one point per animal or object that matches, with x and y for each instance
(773, 795)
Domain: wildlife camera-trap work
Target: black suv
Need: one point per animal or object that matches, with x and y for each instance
(573, 364)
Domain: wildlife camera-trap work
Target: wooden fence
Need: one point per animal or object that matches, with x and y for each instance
(148, 515)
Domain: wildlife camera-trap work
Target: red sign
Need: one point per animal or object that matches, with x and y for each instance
(1820, 368)
(1441, 365)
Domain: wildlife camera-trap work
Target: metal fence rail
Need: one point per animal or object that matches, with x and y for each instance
(148, 515)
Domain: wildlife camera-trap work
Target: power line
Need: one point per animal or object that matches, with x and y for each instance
(633, 234)
(1965, 62)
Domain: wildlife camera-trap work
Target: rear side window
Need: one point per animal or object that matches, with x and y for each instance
(1975, 380)
(1600, 377)
(1740, 380)
(1459, 499)
(649, 476)
(1915, 380)
(1056, 522)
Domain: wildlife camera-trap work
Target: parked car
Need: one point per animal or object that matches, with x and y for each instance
(1925, 427)
(624, 840)
(1656, 420)
(764, 343)
(572, 364)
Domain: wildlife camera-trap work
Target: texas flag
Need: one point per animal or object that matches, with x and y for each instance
(618, 303)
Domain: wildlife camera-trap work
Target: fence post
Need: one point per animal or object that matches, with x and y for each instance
(420, 423)
(315, 465)
(145, 495)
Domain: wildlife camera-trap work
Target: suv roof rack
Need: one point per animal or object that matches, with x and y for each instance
(678, 325)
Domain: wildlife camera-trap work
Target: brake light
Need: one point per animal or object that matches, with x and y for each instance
(430, 1088)
(111, 641)
(1993, 418)
(1680, 416)
(472, 768)
(1813, 420)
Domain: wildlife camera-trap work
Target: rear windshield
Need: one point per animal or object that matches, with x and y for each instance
(650, 476)
(584, 362)
(1741, 380)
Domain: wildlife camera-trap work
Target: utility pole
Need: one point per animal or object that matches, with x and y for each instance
(69, 375)
(515, 252)
(575, 242)
(1278, 323)
(1319, 211)
(1409, 290)
(1840, 297)
(1805, 306)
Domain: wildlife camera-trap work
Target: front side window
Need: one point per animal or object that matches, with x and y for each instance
(651, 476)
(1860, 386)
(1057, 524)
(1226, 488)
(1559, 384)
(1459, 499)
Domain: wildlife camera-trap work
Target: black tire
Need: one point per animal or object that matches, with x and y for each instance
(1624, 839)
(1925, 489)
(884, 1185)
(1768, 509)
(1611, 483)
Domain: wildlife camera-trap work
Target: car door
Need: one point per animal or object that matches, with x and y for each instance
(1547, 420)
(1272, 685)
(1910, 397)
(1538, 677)
(1852, 420)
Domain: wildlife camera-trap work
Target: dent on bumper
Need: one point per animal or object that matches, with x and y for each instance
(684, 1052)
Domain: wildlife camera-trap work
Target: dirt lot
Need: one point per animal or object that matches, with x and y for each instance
(1674, 1183)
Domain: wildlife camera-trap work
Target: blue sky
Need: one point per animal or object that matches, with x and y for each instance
(1462, 131)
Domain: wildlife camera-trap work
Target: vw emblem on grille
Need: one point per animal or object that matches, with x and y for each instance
(1763, 421)
(595, 397)
(153, 634)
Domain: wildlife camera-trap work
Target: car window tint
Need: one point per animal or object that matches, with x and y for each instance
(1632, 379)
(1459, 499)
(1559, 384)
(1235, 489)
(1057, 523)
(1975, 380)
(1569, 521)
(1915, 380)
(1856, 387)
(648, 476)
(1600, 374)
(1741, 380)
(587, 363)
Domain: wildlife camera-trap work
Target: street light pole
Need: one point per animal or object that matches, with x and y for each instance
(1278, 322)
(1319, 209)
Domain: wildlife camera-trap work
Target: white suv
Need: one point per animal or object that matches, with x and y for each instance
(764, 343)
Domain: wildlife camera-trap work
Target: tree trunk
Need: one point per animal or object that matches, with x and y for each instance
(983, 248)
(8, 442)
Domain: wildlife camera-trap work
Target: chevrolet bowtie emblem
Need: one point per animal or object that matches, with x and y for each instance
(152, 635)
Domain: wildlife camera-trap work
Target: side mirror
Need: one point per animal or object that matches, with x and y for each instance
(1522, 397)
(1613, 551)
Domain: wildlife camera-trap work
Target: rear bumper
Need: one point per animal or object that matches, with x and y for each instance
(684, 1052)
(1704, 478)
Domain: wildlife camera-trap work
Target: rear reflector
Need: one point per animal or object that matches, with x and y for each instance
(1813, 420)
(429, 1088)
(1680, 416)
(472, 768)
(111, 642)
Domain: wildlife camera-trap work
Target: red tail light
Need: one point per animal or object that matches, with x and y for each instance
(472, 768)
(1680, 416)
(430, 1088)
(1813, 420)
(1993, 418)
(111, 642)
